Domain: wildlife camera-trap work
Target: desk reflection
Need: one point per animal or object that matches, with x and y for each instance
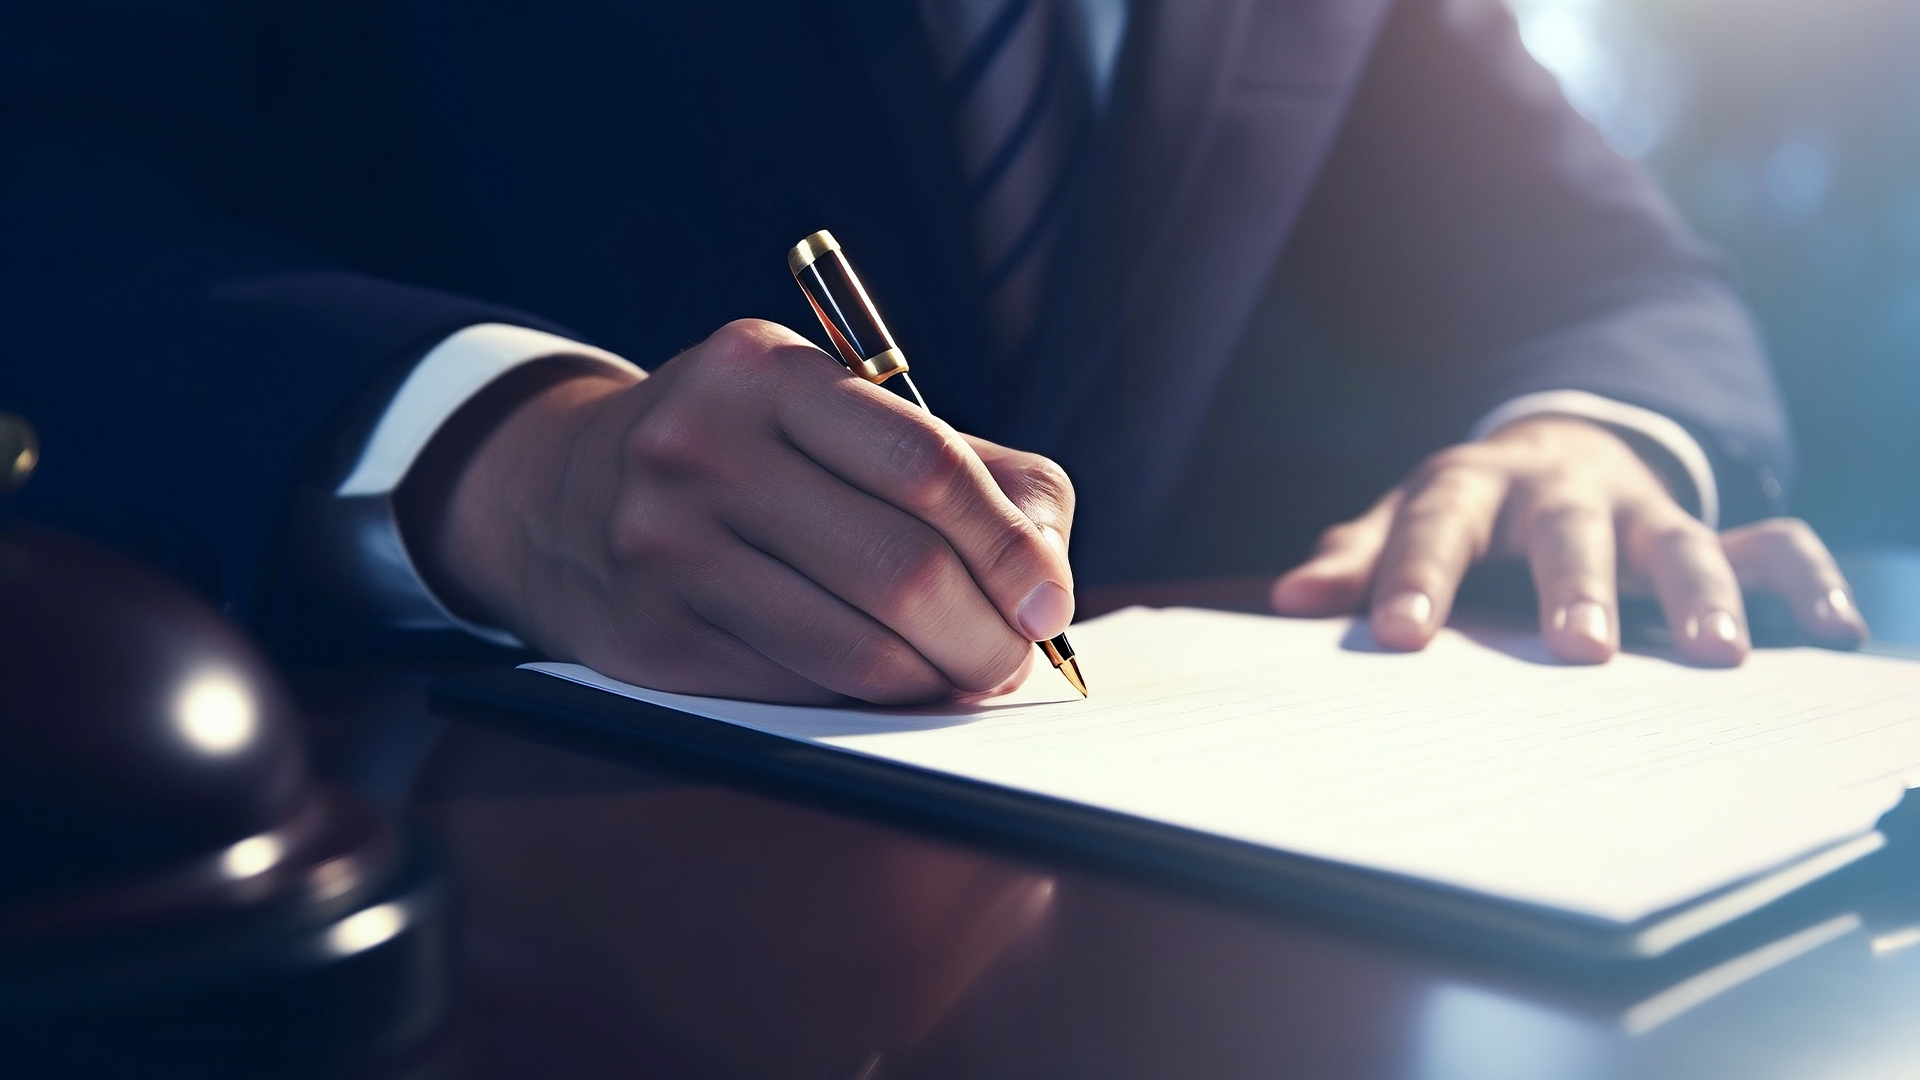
(637, 916)
(615, 919)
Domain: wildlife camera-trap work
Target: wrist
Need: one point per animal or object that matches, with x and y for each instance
(473, 507)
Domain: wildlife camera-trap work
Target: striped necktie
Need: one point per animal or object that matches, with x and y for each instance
(1016, 74)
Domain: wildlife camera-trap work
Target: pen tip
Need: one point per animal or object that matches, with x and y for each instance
(1071, 669)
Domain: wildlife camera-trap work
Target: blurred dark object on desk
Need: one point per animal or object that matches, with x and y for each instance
(178, 897)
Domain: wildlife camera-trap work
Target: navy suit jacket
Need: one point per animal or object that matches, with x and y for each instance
(228, 226)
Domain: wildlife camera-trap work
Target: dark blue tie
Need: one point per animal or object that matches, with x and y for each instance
(1017, 78)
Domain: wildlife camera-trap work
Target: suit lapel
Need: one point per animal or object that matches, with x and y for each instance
(1228, 108)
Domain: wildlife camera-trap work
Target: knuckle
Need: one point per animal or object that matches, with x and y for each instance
(752, 351)
(1438, 538)
(1454, 493)
(1012, 550)
(1045, 481)
(1675, 537)
(1559, 482)
(1041, 491)
(729, 347)
(668, 443)
(741, 339)
(1559, 512)
(931, 463)
(1795, 533)
(1451, 459)
(1439, 524)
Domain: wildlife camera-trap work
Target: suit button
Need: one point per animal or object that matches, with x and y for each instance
(19, 451)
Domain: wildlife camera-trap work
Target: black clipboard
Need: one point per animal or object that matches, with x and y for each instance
(1406, 910)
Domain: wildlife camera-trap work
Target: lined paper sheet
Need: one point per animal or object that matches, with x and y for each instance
(1613, 792)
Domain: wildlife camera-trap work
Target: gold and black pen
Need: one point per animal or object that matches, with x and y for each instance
(868, 350)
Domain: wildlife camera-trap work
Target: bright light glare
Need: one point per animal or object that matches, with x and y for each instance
(1563, 41)
(1469, 1033)
(1603, 64)
(254, 855)
(1905, 938)
(363, 930)
(215, 711)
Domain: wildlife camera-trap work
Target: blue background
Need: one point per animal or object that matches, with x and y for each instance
(1788, 131)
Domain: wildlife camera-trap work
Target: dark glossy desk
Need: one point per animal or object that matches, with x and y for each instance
(620, 917)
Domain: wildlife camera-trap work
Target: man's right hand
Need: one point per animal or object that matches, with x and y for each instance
(749, 521)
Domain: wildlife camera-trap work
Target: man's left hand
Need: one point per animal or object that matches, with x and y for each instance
(1591, 518)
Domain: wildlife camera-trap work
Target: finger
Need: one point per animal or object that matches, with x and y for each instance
(694, 657)
(894, 451)
(1038, 486)
(1695, 585)
(1334, 580)
(1570, 548)
(1010, 683)
(1785, 556)
(801, 627)
(1442, 526)
(880, 560)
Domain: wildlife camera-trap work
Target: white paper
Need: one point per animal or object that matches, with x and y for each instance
(1615, 791)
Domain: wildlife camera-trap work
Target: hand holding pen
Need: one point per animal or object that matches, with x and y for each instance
(869, 351)
(746, 521)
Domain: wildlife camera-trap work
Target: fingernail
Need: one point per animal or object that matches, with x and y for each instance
(1045, 612)
(1409, 613)
(1584, 619)
(1838, 619)
(1715, 626)
(1835, 607)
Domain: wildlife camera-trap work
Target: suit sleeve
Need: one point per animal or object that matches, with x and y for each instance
(1479, 242)
(183, 363)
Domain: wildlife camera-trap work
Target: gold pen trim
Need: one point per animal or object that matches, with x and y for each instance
(1060, 654)
(878, 369)
(806, 251)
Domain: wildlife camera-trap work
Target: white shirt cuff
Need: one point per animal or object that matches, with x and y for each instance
(1662, 431)
(445, 379)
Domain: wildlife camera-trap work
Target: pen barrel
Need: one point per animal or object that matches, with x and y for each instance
(845, 309)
